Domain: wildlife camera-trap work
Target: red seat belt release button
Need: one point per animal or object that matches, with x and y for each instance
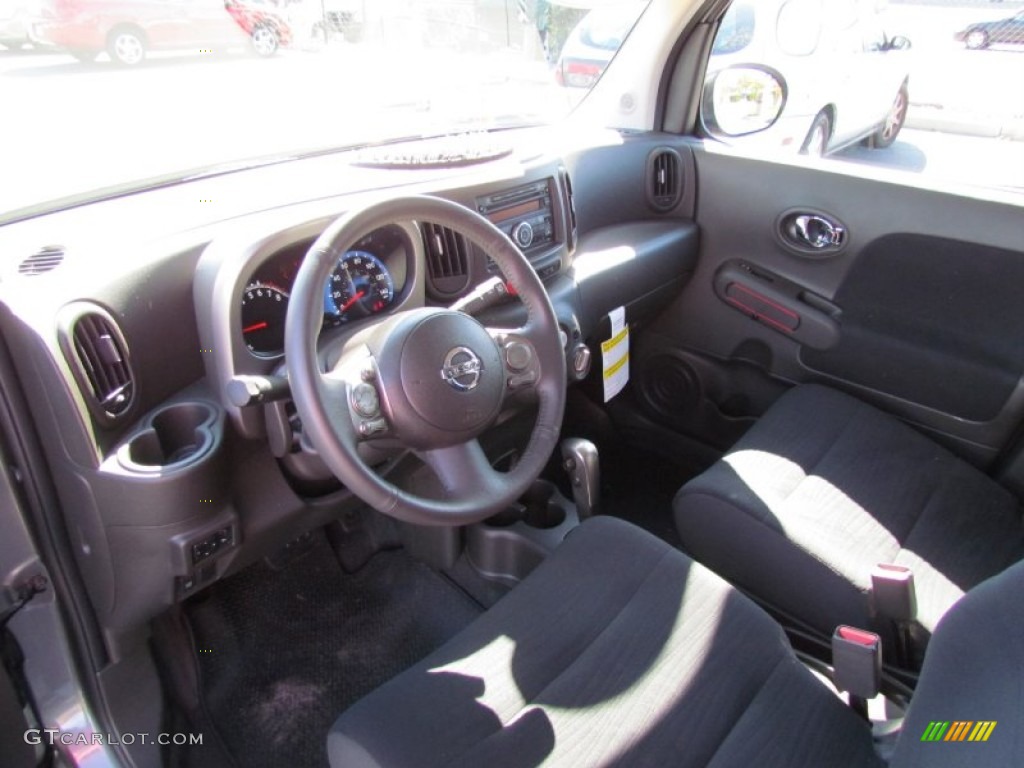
(857, 660)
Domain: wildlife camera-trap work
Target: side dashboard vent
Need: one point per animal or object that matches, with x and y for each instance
(570, 207)
(447, 259)
(98, 355)
(664, 179)
(42, 261)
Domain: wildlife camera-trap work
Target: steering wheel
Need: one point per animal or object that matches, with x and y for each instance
(431, 380)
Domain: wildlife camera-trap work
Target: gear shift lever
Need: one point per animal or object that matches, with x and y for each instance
(579, 457)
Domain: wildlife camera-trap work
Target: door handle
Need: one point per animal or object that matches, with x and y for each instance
(812, 230)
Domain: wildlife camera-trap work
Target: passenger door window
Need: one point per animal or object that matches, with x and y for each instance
(919, 89)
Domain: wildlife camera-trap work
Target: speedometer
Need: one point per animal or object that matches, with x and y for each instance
(358, 287)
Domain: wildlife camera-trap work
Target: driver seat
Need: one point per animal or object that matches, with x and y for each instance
(620, 650)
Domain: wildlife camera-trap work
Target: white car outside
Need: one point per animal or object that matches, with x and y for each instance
(845, 79)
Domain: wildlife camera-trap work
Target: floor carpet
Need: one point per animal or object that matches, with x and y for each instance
(283, 651)
(638, 486)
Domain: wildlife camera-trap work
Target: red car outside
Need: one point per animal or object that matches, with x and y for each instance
(128, 29)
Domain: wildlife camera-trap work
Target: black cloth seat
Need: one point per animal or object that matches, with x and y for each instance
(619, 650)
(825, 487)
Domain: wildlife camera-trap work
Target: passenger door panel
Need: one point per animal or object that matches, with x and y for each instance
(931, 320)
(917, 309)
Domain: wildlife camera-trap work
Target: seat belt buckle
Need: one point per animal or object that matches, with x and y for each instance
(893, 593)
(857, 661)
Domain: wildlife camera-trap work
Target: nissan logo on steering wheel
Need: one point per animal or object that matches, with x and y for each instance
(462, 369)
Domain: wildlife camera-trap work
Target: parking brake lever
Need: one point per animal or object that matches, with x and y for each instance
(579, 457)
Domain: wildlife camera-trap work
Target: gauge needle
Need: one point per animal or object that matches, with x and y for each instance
(254, 327)
(352, 301)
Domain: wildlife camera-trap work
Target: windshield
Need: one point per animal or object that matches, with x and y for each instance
(606, 28)
(113, 92)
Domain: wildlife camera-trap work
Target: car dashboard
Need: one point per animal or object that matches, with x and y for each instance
(156, 304)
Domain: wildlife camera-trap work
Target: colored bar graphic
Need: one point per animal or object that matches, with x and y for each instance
(958, 730)
(982, 730)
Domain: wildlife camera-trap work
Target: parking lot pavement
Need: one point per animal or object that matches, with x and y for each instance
(961, 161)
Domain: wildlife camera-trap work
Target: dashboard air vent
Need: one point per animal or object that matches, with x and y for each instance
(447, 258)
(98, 354)
(664, 183)
(570, 207)
(41, 261)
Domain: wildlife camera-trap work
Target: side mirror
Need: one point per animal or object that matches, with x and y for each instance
(743, 99)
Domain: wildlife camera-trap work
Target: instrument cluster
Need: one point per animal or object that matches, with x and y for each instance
(365, 282)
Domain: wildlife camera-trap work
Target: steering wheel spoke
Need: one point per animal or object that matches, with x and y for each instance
(464, 470)
(334, 395)
(352, 387)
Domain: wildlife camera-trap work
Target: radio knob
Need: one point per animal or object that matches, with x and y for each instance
(522, 233)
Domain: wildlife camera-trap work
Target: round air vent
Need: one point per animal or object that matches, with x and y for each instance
(43, 260)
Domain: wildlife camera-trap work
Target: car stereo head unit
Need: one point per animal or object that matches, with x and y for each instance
(523, 213)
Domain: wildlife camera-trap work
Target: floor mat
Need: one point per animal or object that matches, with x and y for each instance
(283, 652)
(638, 486)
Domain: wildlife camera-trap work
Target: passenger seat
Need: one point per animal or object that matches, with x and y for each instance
(822, 490)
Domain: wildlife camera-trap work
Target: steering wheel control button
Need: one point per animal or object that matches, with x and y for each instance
(518, 356)
(372, 427)
(365, 401)
(522, 380)
(462, 369)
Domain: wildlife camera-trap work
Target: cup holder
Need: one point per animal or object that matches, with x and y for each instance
(176, 435)
(543, 506)
(506, 547)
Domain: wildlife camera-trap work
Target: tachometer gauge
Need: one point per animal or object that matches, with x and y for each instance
(264, 308)
(359, 286)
